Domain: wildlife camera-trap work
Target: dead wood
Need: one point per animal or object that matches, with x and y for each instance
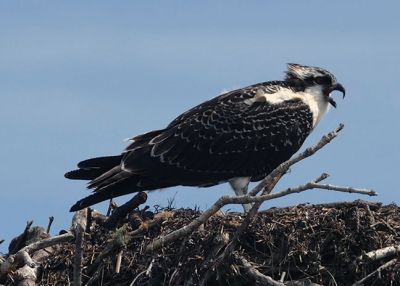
(120, 213)
(304, 244)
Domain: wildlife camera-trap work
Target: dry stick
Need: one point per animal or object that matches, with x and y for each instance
(79, 225)
(51, 219)
(221, 240)
(380, 253)
(27, 273)
(59, 239)
(376, 271)
(111, 205)
(118, 262)
(120, 212)
(89, 219)
(146, 226)
(259, 278)
(95, 276)
(116, 244)
(356, 203)
(137, 277)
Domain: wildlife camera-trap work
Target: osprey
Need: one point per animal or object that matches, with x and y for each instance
(237, 137)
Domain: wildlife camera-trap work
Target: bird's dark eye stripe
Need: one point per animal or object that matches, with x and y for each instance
(323, 80)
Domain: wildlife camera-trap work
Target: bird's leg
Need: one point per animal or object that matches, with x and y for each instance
(239, 186)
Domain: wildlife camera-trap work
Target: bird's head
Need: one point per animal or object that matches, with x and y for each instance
(305, 77)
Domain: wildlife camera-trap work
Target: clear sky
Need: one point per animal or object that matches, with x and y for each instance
(78, 77)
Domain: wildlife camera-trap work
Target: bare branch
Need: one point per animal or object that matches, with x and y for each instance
(350, 190)
(376, 271)
(59, 239)
(51, 219)
(118, 262)
(380, 253)
(284, 167)
(259, 278)
(79, 225)
(120, 212)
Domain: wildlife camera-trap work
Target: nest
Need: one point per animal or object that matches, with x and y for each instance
(330, 244)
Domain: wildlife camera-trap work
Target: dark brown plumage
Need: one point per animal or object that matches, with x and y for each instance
(237, 134)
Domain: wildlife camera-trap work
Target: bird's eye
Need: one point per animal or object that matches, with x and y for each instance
(326, 80)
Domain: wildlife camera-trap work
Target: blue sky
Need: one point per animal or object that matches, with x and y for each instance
(76, 78)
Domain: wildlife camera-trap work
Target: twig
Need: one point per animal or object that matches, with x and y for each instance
(371, 215)
(221, 241)
(348, 204)
(260, 279)
(112, 205)
(89, 219)
(97, 217)
(137, 277)
(79, 226)
(376, 271)
(284, 167)
(147, 272)
(150, 267)
(304, 282)
(95, 276)
(145, 226)
(350, 190)
(51, 219)
(119, 240)
(118, 262)
(121, 212)
(380, 253)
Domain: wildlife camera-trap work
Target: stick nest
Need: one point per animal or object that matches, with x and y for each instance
(324, 244)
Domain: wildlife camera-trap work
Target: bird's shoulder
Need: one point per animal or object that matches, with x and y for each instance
(235, 99)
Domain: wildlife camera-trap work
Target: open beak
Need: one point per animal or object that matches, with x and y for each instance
(334, 87)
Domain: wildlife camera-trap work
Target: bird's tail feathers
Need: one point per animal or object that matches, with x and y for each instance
(115, 186)
(118, 189)
(93, 168)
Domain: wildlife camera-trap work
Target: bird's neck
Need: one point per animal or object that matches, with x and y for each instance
(314, 97)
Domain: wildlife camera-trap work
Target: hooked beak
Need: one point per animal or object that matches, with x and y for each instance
(334, 87)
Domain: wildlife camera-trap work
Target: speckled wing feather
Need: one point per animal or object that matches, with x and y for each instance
(232, 135)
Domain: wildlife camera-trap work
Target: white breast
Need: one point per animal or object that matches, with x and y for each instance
(317, 101)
